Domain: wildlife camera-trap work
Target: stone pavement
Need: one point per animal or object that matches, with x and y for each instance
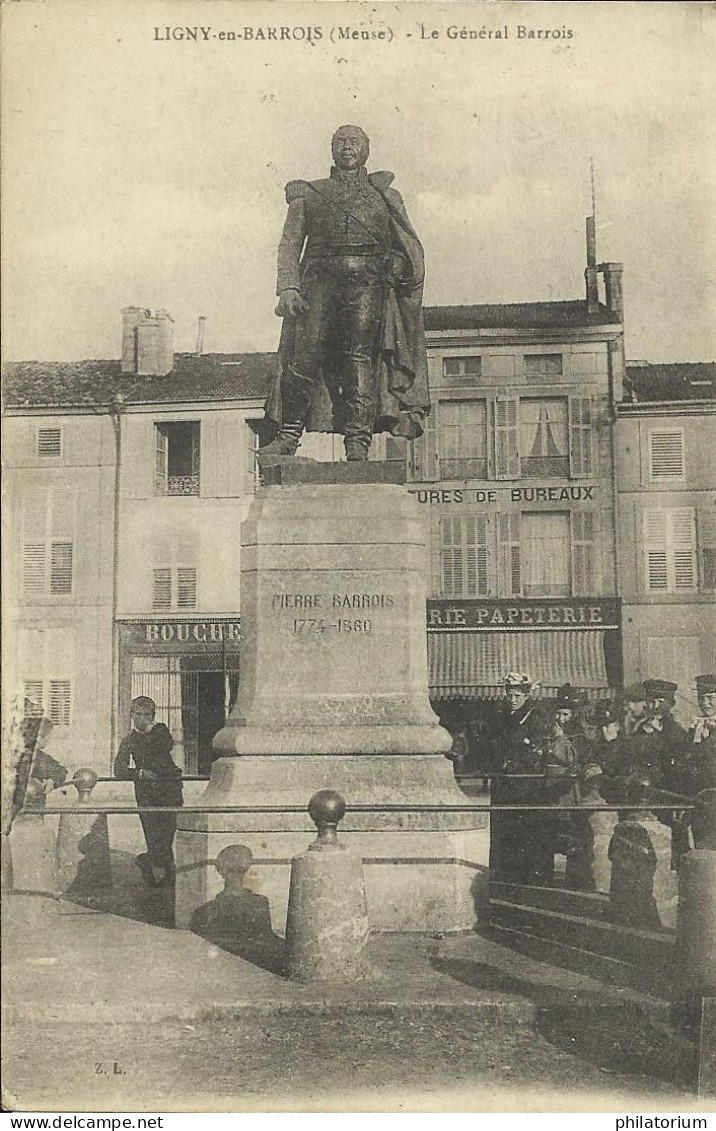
(63, 961)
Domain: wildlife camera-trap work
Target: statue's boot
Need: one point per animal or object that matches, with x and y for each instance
(356, 449)
(296, 399)
(285, 443)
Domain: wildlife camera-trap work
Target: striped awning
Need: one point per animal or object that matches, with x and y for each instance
(473, 665)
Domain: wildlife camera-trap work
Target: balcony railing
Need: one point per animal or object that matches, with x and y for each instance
(182, 485)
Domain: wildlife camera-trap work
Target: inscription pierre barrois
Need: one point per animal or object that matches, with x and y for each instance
(327, 609)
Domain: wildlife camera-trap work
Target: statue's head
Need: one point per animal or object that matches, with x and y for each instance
(350, 147)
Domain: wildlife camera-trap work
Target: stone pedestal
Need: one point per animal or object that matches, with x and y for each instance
(333, 694)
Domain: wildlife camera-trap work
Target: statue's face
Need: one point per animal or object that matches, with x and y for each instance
(349, 147)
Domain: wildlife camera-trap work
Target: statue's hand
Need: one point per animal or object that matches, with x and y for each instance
(290, 304)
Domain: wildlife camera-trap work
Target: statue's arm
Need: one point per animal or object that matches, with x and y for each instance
(291, 246)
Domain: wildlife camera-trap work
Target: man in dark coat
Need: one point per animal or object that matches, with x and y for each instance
(350, 281)
(698, 768)
(521, 843)
(157, 781)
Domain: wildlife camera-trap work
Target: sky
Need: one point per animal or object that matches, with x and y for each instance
(145, 170)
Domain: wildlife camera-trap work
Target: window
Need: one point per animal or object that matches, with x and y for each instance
(50, 698)
(174, 588)
(48, 542)
(538, 437)
(463, 556)
(176, 454)
(545, 555)
(666, 455)
(49, 443)
(467, 368)
(670, 550)
(543, 437)
(540, 365)
(462, 439)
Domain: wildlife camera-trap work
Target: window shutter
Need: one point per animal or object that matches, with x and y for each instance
(581, 428)
(251, 447)
(33, 695)
(476, 555)
(34, 538)
(423, 455)
(60, 699)
(683, 539)
(451, 557)
(162, 595)
(161, 460)
(666, 454)
(61, 553)
(707, 545)
(49, 442)
(507, 460)
(508, 535)
(584, 580)
(657, 579)
(186, 588)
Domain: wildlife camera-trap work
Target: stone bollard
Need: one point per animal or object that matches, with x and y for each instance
(83, 859)
(327, 927)
(32, 846)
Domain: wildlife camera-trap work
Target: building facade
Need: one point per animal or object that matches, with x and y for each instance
(128, 481)
(666, 475)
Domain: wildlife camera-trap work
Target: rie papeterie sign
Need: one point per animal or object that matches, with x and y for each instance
(515, 614)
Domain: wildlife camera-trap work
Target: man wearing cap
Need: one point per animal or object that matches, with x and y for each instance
(662, 741)
(520, 842)
(698, 770)
(350, 279)
(633, 703)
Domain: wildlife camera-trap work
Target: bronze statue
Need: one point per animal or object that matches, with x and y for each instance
(352, 351)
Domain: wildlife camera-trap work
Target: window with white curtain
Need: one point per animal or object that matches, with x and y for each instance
(545, 555)
(544, 436)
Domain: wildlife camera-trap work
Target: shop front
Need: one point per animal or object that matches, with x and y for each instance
(190, 668)
(474, 643)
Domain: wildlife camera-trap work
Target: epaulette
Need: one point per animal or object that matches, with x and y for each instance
(295, 190)
(382, 180)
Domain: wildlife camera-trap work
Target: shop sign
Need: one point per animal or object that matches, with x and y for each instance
(181, 632)
(515, 614)
(572, 493)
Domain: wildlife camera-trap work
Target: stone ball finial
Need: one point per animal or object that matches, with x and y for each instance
(235, 859)
(84, 781)
(327, 809)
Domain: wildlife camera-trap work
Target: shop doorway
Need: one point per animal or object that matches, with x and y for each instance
(194, 694)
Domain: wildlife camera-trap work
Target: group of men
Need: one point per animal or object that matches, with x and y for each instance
(567, 753)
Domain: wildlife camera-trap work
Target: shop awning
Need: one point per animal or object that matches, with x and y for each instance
(473, 665)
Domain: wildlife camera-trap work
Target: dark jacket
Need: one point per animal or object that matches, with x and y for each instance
(151, 751)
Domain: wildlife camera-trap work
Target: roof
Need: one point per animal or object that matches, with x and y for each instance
(670, 381)
(517, 315)
(195, 377)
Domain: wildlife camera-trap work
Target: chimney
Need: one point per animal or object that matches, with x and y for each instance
(613, 286)
(200, 334)
(591, 276)
(147, 342)
(131, 317)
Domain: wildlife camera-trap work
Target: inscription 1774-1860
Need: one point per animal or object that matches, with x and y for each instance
(331, 604)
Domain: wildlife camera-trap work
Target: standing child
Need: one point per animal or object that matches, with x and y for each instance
(157, 781)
